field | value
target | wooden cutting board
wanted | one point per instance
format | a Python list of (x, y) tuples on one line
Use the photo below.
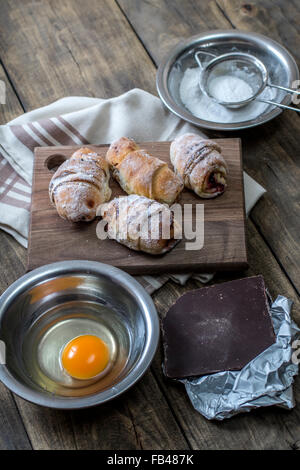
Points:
[(54, 239)]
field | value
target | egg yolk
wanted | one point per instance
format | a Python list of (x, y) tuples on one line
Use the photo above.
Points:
[(85, 357)]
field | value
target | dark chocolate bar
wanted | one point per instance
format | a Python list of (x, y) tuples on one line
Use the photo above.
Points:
[(217, 328)]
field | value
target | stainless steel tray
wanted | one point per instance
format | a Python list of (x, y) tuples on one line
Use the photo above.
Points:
[(281, 65)]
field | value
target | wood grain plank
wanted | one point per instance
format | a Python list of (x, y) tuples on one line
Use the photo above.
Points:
[(13, 435), (52, 49), (142, 416), (171, 22), (269, 151), (12, 107), (12, 259), (53, 239), (269, 428), (141, 419), (48, 429), (149, 410), (275, 18)]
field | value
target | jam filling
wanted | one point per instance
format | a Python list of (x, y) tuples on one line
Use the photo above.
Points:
[(214, 185)]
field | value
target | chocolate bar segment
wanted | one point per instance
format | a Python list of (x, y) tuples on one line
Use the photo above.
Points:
[(217, 328)]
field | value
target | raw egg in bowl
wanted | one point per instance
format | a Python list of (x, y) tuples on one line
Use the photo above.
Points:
[(76, 334)]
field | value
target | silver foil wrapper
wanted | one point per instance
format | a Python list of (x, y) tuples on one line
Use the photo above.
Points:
[(265, 381)]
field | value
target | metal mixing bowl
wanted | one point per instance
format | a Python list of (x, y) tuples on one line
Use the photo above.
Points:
[(26, 303), (279, 62)]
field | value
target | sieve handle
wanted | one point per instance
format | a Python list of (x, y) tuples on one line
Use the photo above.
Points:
[(283, 106), (289, 90), (203, 53)]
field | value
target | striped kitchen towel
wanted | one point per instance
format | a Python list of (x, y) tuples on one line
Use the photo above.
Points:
[(14, 202), (81, 121)]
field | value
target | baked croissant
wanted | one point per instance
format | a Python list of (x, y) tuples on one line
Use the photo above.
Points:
[(140, 223), (80, 185), (200, 164), (139, 173)]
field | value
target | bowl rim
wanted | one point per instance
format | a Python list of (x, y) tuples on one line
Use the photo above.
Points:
[(89, 267), (169, 59)]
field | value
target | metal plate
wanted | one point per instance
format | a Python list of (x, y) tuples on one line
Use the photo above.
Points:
[(281, 66)]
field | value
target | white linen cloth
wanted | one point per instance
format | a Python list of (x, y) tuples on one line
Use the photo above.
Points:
[(80, 121)]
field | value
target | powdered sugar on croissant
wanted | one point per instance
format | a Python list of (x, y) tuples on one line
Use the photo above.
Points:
[(80, 185), (140, 173), (200, 164), (140, 223)]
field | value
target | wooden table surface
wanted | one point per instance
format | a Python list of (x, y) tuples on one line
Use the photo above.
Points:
[(52, 48)]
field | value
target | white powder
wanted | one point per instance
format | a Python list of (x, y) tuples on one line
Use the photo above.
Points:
[(229, 88), (207, 109)]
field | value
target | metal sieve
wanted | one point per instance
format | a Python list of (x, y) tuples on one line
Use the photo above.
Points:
[(243, 66)]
